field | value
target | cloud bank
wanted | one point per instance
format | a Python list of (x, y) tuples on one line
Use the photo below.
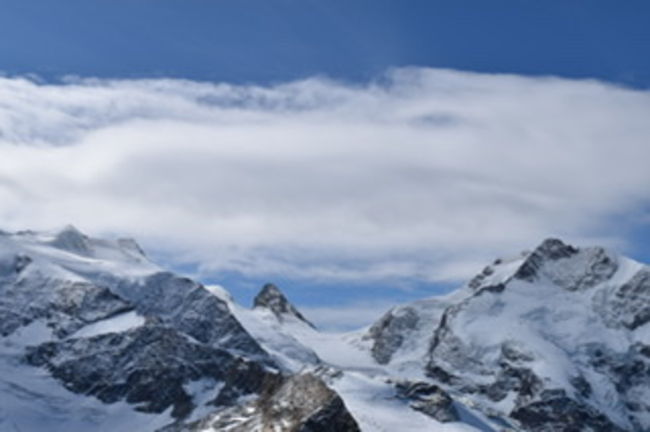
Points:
[(421, 174)]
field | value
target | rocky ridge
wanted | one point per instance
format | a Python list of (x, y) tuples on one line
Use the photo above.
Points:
[(108, 324), (553, 340)]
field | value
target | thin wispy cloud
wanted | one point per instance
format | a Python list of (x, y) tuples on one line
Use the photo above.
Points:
[(345, 317), (421, 174)]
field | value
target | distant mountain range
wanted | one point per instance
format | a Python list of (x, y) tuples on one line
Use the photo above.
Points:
[(94, 336)]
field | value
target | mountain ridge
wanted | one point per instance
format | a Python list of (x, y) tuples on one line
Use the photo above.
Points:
[(556, 339), (93, 323)]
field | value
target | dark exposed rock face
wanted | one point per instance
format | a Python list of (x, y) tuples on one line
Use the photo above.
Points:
[(332, 417), (477, 280), (68, 305), (567, 266), (65, 306), (147, 366), (550, 249), (629, 374), (300, 403), (191, 309), (270, 297), (306, 402), (402, 333), (557, 413), (428, 399), (631, 301), (390, 332), (191, 335)]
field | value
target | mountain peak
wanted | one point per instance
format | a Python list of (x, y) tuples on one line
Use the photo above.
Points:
[(567, 266), (271, 298), (551, 249), (72, 240), (554, 248)]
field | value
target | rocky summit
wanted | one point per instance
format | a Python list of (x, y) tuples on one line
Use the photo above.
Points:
[(271, 298), (94, 336)]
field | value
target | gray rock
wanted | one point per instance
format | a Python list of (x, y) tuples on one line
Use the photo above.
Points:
[(568, 267), (389, 333), (132, 365), (558, 413), (299, 403), (631, 301), (429, 399), (271, 298)]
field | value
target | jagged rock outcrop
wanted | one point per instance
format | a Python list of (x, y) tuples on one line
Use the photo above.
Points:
[(149, 366), (65, 306), (271, 298), (429, 399), (567, 266), (397, 337), (390, 332), (300, 403), (629, 304), (554, 411)]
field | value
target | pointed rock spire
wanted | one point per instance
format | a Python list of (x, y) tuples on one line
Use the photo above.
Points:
[(271, 298), (72, 240)]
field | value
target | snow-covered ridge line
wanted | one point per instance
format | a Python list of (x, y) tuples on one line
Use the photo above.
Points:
[(554, 339)]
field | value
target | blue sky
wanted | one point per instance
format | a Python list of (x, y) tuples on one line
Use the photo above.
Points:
[(280, 40), (357, 153)]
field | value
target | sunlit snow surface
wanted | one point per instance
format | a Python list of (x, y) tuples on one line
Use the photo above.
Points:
[(122, 322), (365, 386)]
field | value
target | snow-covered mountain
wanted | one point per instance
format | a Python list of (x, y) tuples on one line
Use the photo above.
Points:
[(553, 340), (94, 335)]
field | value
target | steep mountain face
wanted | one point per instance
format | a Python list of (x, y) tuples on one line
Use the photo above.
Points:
[(555, 340), (91, 328), (397, 337)]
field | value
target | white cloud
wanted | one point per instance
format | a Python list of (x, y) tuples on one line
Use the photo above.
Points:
[(424, 173), (346, 317)]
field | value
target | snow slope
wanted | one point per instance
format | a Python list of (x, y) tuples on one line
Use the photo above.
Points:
[(345, 362)]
